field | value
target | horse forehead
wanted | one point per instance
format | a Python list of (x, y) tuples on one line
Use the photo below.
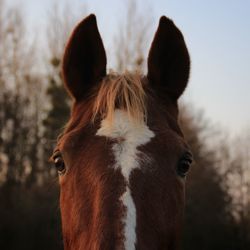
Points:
[(124, 128)]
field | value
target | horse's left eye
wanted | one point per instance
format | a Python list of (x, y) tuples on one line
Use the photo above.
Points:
[(59, 163), (184, 164)]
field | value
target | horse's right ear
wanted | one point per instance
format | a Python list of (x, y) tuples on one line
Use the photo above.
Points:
[(84, 61)]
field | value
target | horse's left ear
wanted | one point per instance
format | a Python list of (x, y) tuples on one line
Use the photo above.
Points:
[(84, 61), (168, 61)]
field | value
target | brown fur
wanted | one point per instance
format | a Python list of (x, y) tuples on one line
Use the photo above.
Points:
[(91, 188)]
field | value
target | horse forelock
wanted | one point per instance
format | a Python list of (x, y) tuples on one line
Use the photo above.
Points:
[(125, 92)]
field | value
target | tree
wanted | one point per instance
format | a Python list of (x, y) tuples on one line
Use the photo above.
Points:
[(131, 39), (208, 220), (235, 167), (17, 111)]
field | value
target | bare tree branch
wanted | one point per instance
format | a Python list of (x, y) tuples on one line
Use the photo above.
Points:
[(132, 38)]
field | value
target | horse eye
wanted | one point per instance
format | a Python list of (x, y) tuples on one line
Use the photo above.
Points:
[(59, 164), (184, 164)]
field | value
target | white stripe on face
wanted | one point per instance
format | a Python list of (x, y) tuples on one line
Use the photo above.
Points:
[(129, 135)]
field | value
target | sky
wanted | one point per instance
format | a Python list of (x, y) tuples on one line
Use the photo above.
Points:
[(217, 33)]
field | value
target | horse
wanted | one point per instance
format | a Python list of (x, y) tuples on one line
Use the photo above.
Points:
[(122, 158)]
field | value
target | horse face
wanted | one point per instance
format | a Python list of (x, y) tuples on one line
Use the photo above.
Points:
[(122, 175)]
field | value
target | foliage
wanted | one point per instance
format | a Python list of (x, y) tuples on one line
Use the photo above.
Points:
[(58, 113), (209, 223)]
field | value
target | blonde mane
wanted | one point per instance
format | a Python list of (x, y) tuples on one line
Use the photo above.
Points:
[(123, 92)]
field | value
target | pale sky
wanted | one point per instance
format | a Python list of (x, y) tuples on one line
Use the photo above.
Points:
[(217, 33)]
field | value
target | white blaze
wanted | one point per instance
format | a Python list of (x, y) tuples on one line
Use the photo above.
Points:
[(129, 135)]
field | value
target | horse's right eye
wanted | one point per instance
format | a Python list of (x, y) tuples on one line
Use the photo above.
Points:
[(59, 163)]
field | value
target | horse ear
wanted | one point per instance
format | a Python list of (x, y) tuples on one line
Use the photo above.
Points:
[(168, 61), (84, 61)]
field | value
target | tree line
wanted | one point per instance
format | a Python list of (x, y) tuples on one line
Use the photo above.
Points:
[(33, 109)]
